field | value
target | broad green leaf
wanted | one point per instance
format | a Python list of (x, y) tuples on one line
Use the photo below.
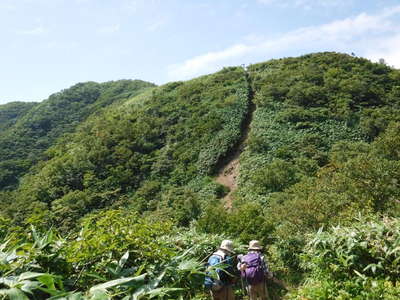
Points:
[(123, 259), (97, 276), (116, 282), (48, 281), (161, 292), (145, 289), (16, 294), (4, 245), (100, 295), (10, 281), (29, 275), (29, 286), (68, 296), (189, 265)]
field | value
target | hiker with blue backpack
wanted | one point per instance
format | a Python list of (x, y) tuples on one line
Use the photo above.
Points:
[(220, 272), (254, 271)]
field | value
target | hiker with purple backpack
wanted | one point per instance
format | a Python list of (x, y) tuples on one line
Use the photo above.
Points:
[(254, 271)]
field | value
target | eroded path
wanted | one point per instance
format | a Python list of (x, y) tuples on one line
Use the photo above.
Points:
[(228, 168)]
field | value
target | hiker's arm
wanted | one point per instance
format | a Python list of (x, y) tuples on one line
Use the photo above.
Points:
[(239, 265)]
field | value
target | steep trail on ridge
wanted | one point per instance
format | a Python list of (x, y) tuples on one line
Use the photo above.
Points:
[(228, 167)]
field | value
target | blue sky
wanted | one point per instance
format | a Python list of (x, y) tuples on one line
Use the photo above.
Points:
[(49, 45)]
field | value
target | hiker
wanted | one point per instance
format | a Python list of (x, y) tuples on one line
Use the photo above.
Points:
[(254, 271), (219, 273)]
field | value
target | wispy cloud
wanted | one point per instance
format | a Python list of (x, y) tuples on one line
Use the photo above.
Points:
[(4, 6), (387, 48), (38, 30), (366, 35), (156, 25), (109, 29), (207, 62), (306, 4), (61, 45), (133, 6)]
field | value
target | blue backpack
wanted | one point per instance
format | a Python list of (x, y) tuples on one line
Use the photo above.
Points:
[(214, 275)]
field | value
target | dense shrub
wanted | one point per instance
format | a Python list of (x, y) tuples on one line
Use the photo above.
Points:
[(356, 262)]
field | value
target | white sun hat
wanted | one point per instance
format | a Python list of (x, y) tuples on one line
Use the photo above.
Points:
[(255, 245), (227, 245)]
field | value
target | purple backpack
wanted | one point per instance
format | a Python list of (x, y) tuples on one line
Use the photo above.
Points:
[(254, 272)]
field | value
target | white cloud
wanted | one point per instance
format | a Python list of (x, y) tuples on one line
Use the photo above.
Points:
[(38, 30), (157, 25), (61, 45), (109, 29), (388, 49), (306, 4), (267, 2), (366, 35), (134, 6), (207, 62), (7, 7)]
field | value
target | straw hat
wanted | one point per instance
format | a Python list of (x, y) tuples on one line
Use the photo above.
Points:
[(255, 245), (227, 245)]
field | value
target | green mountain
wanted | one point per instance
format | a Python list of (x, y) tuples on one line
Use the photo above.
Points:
[(274, 152), (36, 129), (11, 112), (156, 149)]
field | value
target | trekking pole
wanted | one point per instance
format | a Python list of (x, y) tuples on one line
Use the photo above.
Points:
[(266, 293), (243, 288)]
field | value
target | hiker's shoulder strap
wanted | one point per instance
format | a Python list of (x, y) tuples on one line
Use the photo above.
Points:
[(220, 254), (264, 263), (215, 258)]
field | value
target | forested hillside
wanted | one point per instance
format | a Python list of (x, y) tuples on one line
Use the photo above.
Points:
[(127, 205), (153, 152), (11, 112), (36, 129)]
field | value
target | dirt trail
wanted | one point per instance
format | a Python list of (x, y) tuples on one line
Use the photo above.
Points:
[(227, 177), (228, 167)]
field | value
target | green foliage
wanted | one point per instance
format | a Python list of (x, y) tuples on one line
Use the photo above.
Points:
[(151, 144), (322, 147), (304, 106), (222, 142), (106, 236), (11, 112), (158, 262), (37, 129), (135, 180), (245, 223), (356, 262), (280, 153), (359, 177)]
